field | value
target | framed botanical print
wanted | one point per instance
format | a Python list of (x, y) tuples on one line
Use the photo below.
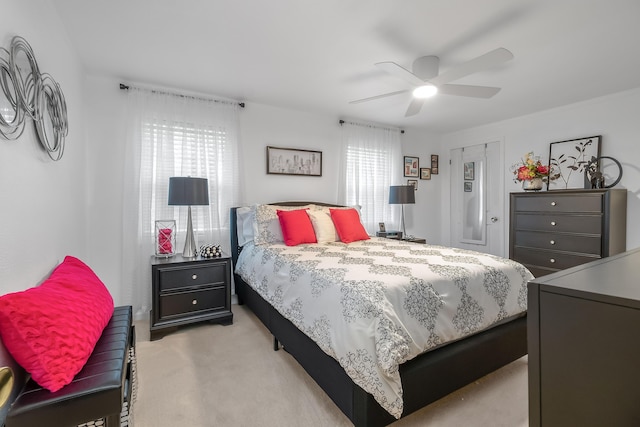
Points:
[(568, 161)]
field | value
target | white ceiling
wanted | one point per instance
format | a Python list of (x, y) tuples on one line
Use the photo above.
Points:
[(317, 55)]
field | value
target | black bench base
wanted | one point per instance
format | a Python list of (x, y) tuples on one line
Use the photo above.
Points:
[(104, 386)]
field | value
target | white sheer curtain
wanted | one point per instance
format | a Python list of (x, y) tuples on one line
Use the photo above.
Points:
[(175, 135), (372, 162)]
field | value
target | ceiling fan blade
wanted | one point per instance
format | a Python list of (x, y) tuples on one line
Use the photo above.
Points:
[(426, 67), (470, 91), (398, 71), (384, 95), (414, 107), (483, 62)]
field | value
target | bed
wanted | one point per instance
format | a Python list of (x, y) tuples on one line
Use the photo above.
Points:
[(424, 378)]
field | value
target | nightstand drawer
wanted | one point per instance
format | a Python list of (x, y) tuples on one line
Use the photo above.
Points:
[(560, 203), (560, 242), (550, 259), (179, 277), (194, 301), (586, 224)]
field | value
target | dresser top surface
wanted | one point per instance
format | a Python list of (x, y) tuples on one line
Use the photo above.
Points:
[(575, 191), (613, 277)]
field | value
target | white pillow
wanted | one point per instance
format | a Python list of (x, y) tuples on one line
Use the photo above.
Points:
[(266, 227), (323, 226), (244, 222)]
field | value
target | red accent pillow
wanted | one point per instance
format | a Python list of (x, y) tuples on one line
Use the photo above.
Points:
[(51, 329), (296, 227), (348, 225)]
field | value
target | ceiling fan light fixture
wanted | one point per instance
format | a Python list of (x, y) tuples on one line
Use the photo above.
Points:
[(425, 91)]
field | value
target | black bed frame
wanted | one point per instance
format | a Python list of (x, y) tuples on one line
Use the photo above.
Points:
[(425, 378)]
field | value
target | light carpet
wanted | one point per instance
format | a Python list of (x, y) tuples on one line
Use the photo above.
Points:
[(212, 375)]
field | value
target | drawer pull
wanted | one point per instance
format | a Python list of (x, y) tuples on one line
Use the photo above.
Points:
[(194, 302), (553, 242), (553, 203), (194, 277), (553, 223), (552, 260)]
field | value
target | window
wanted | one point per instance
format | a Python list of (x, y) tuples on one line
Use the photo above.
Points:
[(174, 135), (372, 162)]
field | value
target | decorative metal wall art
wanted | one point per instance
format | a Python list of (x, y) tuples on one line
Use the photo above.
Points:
[(25, 91)]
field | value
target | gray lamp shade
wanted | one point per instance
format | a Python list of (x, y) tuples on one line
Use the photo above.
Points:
[(188, 191), (402, 195)]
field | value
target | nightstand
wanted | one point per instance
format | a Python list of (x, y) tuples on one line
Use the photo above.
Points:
[(189, 290), (414, 240), (397, 235), (389, 234)]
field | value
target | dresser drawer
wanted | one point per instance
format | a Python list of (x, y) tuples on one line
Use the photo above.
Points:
[(173, 278), (560, 242), (182, 303), (586, 224), (560, 203), (550, 259)]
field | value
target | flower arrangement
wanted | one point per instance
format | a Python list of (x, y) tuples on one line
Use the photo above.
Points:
[(530, 168)]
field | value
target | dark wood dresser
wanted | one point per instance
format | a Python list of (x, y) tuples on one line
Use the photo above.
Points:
[(583, 325), (553, 230)]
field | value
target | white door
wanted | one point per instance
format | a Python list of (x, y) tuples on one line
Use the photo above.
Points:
[(477, 201)]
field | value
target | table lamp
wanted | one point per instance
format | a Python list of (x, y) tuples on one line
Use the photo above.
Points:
[(188, 191), (402, 195)]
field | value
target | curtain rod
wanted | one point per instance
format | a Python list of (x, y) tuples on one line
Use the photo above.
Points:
[(125, 87), (368, 126)]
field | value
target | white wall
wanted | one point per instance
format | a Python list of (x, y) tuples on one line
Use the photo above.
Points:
[(423, 219), (262, 126), (613, 116), (105, 161), (43, 202)]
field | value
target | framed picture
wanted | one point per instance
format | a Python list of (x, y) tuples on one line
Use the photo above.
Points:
[(468, 186), (382, 227), (413, 182), (411, 166), (469, 171), (434, 164), (568, 161), (292, 161), (425, 173)]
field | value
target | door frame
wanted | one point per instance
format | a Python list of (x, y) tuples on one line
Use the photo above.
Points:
[(498, 186)]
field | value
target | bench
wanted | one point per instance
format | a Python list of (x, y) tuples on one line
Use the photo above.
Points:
[(101, 394)]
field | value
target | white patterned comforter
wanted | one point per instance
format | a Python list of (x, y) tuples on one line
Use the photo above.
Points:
[(375, 304)]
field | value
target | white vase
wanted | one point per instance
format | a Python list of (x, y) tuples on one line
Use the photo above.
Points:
[(534, 184)]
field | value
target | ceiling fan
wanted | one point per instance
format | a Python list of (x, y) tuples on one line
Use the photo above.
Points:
[(427, 82)]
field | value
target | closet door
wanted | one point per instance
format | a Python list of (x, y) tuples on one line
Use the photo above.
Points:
[(477, 202)]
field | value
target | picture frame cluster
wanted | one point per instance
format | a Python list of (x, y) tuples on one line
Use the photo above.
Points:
[(412, 169)]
